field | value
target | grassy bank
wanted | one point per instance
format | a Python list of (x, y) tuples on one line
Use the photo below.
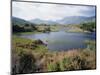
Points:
[(30, 56), (34, 32)]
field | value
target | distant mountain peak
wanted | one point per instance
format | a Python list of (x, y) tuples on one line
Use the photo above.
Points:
[(19, 21), (75, 19), (39, 21), (65, 20)]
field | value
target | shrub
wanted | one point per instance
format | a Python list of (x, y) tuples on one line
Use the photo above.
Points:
[(26, 63), (53, 67), (91, 45)]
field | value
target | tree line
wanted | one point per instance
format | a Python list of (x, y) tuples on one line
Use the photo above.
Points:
[(89, 26), (29, 28)]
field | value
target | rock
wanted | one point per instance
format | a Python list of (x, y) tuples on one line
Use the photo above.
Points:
[(38, 42)]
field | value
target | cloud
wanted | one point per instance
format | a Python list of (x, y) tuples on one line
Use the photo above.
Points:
[(27, 10), (90, 11)]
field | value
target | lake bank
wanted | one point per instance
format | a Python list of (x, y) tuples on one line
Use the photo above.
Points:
[(61, 40), (51, 28), (45, 60)]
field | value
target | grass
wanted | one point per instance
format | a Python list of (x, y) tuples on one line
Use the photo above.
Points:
[(52, 28), (81, 61), (30, 56), (20, 33), (91, 44)]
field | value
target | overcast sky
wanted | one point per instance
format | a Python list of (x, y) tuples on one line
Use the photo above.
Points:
[(28, 11)]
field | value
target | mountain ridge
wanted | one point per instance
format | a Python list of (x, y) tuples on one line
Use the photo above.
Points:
[(64, 21)]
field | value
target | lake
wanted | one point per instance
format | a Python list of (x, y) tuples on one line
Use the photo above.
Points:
[(62, 40)]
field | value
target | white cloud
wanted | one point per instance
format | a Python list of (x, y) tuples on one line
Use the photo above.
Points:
[(43, 11)]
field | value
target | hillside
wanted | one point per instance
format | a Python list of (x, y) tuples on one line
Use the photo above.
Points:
[(75, 19), (18, 21), (39, 21), (66, 20)]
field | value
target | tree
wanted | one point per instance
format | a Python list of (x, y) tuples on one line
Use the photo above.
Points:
[(89, 26)]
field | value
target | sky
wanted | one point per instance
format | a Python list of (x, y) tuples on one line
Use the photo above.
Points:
[(28, 11)]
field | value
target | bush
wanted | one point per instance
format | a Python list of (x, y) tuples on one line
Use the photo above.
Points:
[(89, 26), (24, 28), (26, 64), (53, 67)]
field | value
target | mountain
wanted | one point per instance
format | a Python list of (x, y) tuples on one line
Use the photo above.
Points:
[(39, 21), (66, 20), (18, 21), (75, 19), (93, 18)]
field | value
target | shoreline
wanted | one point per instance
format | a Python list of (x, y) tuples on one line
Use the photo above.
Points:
[(15, 33), (27, 50)]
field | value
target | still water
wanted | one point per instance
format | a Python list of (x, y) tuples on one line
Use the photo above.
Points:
[(62, 40)]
